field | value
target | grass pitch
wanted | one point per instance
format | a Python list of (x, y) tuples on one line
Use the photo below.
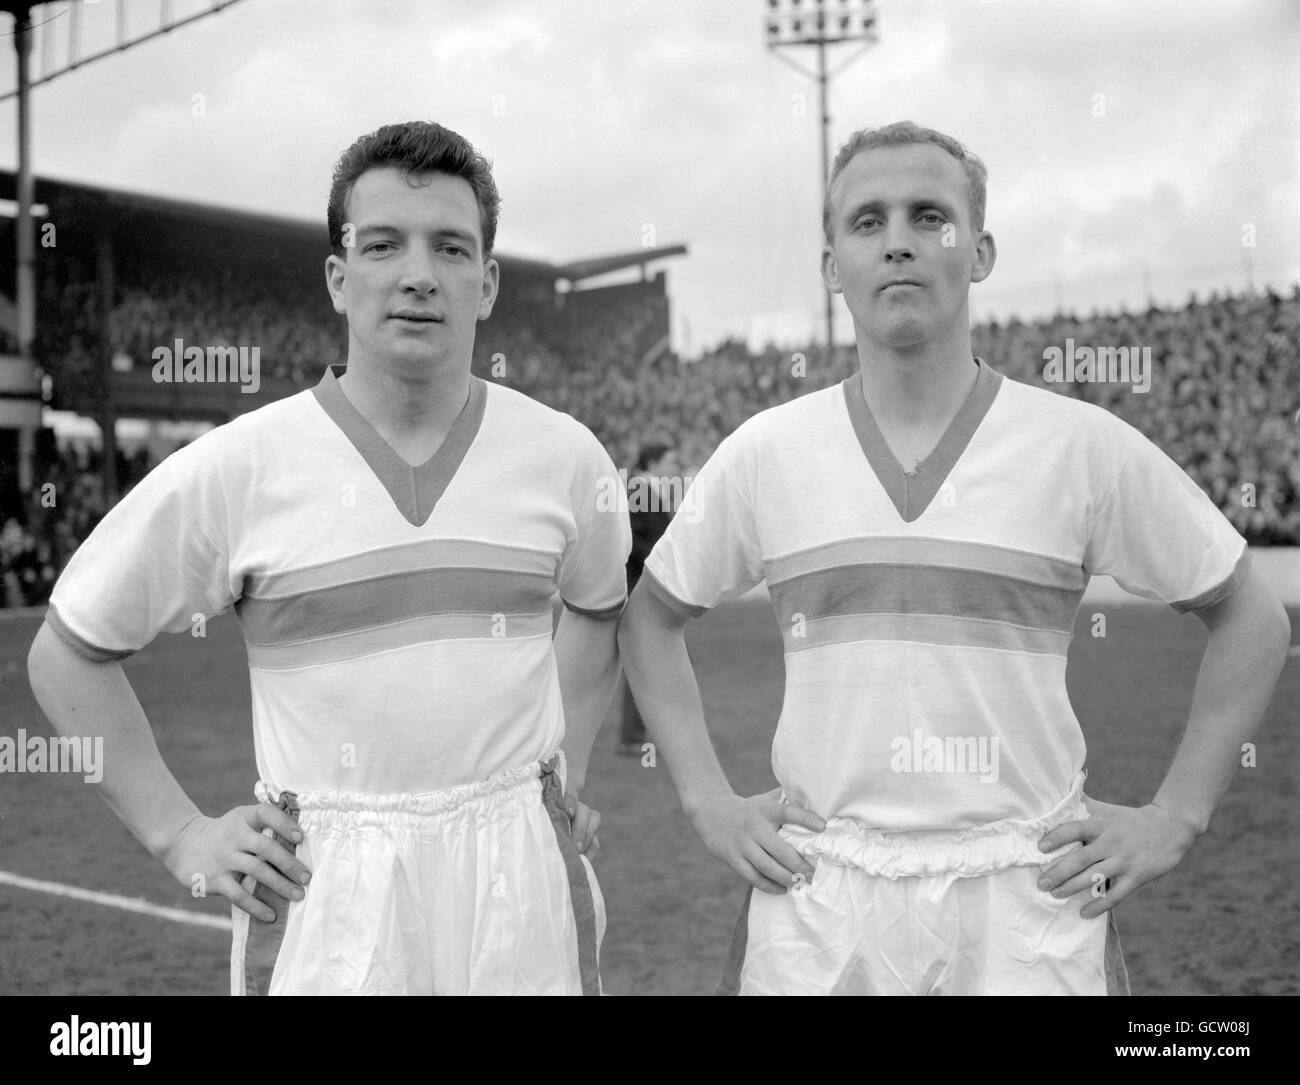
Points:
[(1227, 921)]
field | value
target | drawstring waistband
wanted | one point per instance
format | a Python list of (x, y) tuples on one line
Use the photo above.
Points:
[(418, 812), (984, 849)]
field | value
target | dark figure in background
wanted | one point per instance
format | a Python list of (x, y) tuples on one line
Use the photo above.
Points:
[(650, 509)]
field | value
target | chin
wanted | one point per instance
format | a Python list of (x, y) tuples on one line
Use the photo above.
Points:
[(905, 331)]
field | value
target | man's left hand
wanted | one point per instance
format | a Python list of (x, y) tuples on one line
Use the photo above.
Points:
[(583, 823), (1124, 847)]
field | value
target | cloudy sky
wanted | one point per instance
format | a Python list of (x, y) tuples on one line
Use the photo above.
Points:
[(1131, 146)]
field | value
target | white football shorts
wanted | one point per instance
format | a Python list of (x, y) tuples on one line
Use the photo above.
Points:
[(474, 890), (949, 913)]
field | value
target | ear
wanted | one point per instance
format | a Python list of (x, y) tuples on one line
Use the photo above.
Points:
[(335, 276), (491, 284), (986, 255), (831, 271)]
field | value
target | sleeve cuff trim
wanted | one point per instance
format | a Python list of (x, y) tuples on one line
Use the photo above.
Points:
[(677, 606), (1220, 591), (79, 644), (602, 615)]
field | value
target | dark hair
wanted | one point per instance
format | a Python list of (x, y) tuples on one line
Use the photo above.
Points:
[(900, 134), (420, 148), (651, 453)]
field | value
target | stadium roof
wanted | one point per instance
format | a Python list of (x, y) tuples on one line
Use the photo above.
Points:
[(147, 212), (603, 265)]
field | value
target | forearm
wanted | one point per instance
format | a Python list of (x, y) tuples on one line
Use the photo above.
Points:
[(95, 700), (1241, 665), (659, 671), (586, 655)]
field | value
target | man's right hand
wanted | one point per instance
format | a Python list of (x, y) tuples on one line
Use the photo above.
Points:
[(742, 832), (223, 850)]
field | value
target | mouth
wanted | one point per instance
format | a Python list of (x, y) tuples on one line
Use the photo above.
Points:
[(412, 316), (900, 282)]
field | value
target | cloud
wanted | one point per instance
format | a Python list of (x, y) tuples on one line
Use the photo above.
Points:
[(603, 117)]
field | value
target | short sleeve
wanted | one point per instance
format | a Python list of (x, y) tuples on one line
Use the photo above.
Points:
[(711, 550), (593, 569), (1161, 537), (150, 567)]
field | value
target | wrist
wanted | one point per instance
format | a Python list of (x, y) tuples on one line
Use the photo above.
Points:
[(1196, 820), (694, 801), (165, 845), (575, 772)]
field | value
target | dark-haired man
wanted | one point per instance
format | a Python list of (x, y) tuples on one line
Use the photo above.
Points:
[(927, 529), (391, 542)]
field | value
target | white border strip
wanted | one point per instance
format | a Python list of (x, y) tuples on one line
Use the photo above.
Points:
[(13, 613), (112, 900)]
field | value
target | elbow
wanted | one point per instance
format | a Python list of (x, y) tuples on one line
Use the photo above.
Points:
[(1270, 633), (39, 668), (37, 658), (1254, 619)]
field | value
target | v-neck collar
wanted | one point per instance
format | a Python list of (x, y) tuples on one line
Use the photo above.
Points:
[(912, 494), (415, 490)]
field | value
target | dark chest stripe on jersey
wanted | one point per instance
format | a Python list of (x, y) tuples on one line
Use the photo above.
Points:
[(500, 628), (921, 589), (927, 590), (486, 594)]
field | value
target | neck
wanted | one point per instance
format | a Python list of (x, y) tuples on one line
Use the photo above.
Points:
[(920, 385), (400, 403)]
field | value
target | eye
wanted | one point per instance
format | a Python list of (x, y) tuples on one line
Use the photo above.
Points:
[(374, 246), (455, 250), (933, 217)]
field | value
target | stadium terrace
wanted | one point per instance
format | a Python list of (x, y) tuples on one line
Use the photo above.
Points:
[(218, 365), (1109, 365)]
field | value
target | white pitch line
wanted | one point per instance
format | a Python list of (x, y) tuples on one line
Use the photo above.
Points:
[(112, 900)]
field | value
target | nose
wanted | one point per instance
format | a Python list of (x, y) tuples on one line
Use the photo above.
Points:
[(898, 244), (419, 273)]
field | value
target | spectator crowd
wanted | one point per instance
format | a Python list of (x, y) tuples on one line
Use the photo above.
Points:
[(59, 512), (1224, 397), (1223, 401), (296, 333)]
